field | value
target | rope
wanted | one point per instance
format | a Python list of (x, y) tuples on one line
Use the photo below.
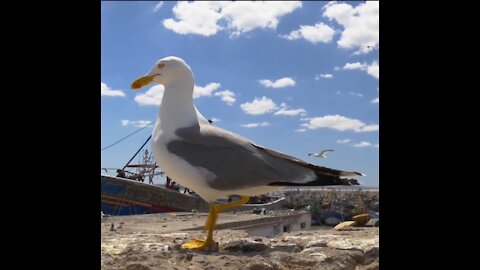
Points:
[(126, 137), (149, 137)]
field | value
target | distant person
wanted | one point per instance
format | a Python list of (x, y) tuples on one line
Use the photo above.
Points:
[(121, 173), (175, 186), (167, 185)]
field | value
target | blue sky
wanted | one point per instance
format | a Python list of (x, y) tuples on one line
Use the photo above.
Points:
[(297, 77)]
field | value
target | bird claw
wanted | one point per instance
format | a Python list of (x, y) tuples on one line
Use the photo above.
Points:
[(203, 245)]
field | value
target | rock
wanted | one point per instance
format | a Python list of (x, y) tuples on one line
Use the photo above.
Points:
[(319, 256), (317, 243), (372, 253), (165, 248), (357, 255), (372, 222), (214, 248), (189, 256), (338, 262), (287, 247), (372, 266), (294, 261), (349, 243), (313, 250), (137, 266), (259, 266), (296, 249), (245, 246)]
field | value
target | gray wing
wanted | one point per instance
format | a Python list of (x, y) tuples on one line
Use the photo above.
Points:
[(238, 163), (324, 151)]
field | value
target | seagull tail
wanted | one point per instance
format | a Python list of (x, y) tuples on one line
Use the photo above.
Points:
[(324, 180), (342, 173), (318, 176)]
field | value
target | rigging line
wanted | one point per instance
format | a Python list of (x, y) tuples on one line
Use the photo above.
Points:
[(126, 137), (149, 137)]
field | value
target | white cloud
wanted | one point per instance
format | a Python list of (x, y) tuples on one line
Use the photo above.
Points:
[(376, 145), (368, 128), (207, 90), (107, 91), (158, 6), (214, 119), (336, 68), (325, 76), (137, 123), (245, 16), (360, 24), (320, 32), (356, 94), (204, 18), (340, 123), (280, 83), (301, 130), (375, 100), (284, 111), (338, 92), (259, 106), (343, 141), (227, 96), (372, 69), (252, 125), (362, 144), (153, 96), (356, 65), (195, 18)]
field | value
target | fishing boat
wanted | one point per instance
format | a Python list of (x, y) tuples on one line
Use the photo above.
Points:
[(362, 216), (122, 196), (361, 219), (133, 191), (332, 218), (334, 215)]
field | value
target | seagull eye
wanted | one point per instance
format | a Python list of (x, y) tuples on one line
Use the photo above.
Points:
[(161, 65)]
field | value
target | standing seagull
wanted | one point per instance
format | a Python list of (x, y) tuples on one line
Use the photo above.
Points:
[(322, 154), (213, 162)]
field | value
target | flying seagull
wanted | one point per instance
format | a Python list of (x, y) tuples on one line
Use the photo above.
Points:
[(322, 154), (214, 162)]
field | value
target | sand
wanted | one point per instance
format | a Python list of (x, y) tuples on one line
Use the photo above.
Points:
[(148, 242)]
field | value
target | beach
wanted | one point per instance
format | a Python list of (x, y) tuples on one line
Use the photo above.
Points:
[(148, 242)]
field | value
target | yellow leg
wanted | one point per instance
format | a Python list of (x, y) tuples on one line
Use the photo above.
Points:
[(210, 224)]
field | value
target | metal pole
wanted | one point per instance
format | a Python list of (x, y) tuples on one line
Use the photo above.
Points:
[(137, 152)]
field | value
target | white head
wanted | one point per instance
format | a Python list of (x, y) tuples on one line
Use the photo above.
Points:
[(165, 71)]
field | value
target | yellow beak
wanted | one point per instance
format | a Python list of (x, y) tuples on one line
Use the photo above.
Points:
[(141, 82)]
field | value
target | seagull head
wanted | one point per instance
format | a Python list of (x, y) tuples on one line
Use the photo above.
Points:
[(165, 71)]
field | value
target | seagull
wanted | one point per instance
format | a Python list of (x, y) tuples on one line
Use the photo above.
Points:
[(214, 162), (322, 154)]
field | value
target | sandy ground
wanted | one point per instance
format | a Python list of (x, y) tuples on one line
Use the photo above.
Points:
[(146, 242)]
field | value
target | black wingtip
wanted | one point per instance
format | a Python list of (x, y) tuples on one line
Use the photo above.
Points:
[(352, 182), (322, 180)]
